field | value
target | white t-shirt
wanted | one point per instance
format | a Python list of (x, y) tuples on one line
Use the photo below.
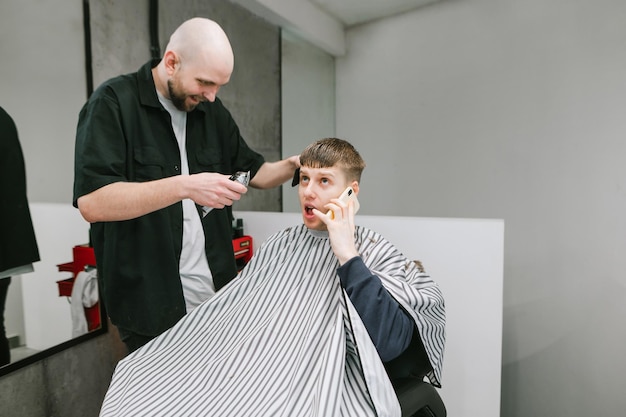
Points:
[(195, 274)]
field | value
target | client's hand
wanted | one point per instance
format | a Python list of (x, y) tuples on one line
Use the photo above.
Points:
[(340, 229)]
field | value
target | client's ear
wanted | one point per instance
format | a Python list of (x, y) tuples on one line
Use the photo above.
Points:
[(355, 186)]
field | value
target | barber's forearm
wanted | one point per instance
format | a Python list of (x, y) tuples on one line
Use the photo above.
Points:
[(273, 174), (125, 200)]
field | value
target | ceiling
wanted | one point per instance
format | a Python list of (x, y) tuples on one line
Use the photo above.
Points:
[(324, 22), (353, 12)]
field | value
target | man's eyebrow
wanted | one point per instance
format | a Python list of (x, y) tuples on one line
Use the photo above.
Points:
[(323, 172), (327, 173)]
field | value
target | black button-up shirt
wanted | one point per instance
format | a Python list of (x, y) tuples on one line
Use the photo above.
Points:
[(124, 134)]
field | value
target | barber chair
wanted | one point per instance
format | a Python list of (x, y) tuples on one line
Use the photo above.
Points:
[(418, 398)]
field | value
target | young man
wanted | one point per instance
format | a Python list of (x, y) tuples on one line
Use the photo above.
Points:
[(153, 147), (317, 324)]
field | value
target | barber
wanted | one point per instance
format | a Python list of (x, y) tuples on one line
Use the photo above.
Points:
[(153, 147)]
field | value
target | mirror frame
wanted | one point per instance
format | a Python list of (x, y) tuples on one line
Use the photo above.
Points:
[(46, 353), (104, 328)]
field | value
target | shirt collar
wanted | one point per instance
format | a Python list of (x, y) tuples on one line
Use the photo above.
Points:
[(319, 234), (147, 90)]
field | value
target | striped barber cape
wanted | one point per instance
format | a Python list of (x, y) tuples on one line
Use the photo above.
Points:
[(282, 339)]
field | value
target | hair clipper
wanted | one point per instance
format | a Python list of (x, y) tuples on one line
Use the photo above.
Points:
[(242, 177)]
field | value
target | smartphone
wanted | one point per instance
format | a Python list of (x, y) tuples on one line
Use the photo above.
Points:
[(347, 195)]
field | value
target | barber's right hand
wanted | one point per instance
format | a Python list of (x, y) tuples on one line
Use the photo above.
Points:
[(214, 190)]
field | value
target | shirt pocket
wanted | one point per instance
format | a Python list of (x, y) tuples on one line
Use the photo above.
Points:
[(149, 164), (210, 160)]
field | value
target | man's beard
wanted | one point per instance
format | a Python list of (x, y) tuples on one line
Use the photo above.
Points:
[(178, 99)]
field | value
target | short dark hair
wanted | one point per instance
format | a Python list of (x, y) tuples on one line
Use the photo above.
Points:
[(328, 152)]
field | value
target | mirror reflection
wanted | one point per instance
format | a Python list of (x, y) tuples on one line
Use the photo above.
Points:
[(18, 245), (49, 305), (56, 301), (43, 105), (52, 300)]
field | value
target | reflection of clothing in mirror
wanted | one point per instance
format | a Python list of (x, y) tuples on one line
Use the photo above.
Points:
[(5, 349), (18, 246), (283, 339), (84, 295), (125, 135)]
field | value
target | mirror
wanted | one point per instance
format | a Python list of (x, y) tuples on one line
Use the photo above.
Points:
[(44, 85)]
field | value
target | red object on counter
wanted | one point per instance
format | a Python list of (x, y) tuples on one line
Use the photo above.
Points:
[(243, 250)]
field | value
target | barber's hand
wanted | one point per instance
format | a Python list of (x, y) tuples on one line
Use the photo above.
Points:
[(295, 161), (215, 190), (340, 229)]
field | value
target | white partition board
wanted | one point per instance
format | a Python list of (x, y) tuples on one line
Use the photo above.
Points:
[(465, 257)]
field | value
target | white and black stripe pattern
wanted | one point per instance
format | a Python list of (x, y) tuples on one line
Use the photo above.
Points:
[(413, 289), (277, 341)]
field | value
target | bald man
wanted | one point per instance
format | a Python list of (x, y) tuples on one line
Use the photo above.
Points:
[(152, 148)]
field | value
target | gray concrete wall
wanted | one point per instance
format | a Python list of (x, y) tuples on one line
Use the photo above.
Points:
[(308, 96), (74, 381)]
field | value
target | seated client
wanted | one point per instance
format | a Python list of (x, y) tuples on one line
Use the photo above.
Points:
[(319, 323)]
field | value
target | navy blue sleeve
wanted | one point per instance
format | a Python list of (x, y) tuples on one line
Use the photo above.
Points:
[(388, 325)]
